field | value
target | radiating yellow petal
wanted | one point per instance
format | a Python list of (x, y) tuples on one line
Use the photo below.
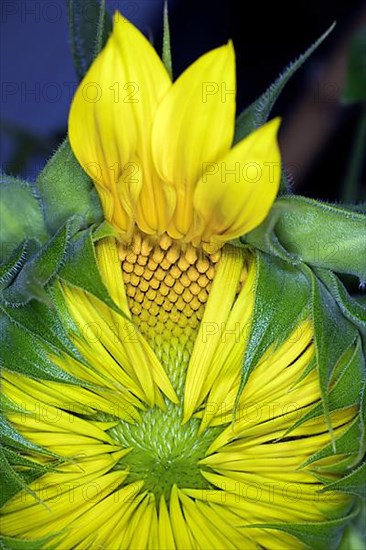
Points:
[(206, 534), (110, 268), (126, 500), (110, 123), (236, 192), (166, 537), (210, 334), (137, 532), (127, 349), (228, 359), (182, 534), (102, 517), (64, 507), (194, 125)]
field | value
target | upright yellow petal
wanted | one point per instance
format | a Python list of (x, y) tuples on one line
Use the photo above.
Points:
[(194, 125), (236, 193), (110, 122)]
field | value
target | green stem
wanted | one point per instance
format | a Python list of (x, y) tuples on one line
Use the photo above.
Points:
[(167, 53), (100, 28), (353, 176)]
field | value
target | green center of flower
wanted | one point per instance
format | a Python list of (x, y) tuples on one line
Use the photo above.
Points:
[(167, 286), (164, 452)]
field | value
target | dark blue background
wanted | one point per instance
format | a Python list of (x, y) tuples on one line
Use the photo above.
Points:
[(38, 77)]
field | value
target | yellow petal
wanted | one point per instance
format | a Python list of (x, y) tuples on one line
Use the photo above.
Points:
[(208, 340), (166, 537), (194, 125), (236, 193), (182, 534), (111, 118), (206, 534)]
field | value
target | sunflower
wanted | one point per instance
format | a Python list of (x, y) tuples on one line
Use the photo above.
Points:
[(158, 445)]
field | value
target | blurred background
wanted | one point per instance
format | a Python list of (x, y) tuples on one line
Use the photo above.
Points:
[(323, 135)]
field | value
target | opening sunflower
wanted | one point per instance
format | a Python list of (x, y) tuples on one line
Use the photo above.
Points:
[(158, 445)]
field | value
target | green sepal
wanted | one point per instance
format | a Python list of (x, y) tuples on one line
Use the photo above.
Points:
[(25, 353), (40, 320), (355, 86), (295, 231), (19, 460), (67, 191), (39, 271), (360, 299), (7, 543), (355, 534), (167, 50), (354, 483), (348, 379), (11, 438), (20, 213), (12, 443), (315, 535), (58, 299), (258, 112), (282, 299), (14, 481), (348, 444), (307, 370), (13, 264), (363, 416), (8, 406), (81, 269), (353, 310), (11, 482), (89, 26), (104, 230), (333, 336)]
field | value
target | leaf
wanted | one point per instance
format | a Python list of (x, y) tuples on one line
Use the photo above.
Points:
[(258, 112), (81, 269), (167, 52), (20, 213), (355, 85), (67, 191), (282, 300), (295, 231), (90, 26), (37, 272)]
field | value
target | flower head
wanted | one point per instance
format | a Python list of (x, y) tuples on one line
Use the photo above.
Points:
[(148, 443), (160, 152)]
